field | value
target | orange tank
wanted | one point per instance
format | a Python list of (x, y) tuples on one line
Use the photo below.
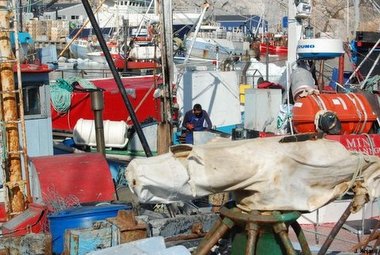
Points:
[(353, 110)]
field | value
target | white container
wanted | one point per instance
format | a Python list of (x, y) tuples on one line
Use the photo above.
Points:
[(144, 53), (115, 133), (261, 109)]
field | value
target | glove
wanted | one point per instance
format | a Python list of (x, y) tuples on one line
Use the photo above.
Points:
[(189, 126)]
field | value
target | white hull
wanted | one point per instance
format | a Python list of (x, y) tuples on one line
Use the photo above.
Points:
[(207, 48), (97, 57)]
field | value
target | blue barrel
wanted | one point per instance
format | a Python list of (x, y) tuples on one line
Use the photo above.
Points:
[(79, 217)]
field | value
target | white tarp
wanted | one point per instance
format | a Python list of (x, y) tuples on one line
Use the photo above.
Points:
[(265, 174)]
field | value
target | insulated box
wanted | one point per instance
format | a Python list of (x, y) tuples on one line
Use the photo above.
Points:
[(79, 217), (353, 110), (261, 109)]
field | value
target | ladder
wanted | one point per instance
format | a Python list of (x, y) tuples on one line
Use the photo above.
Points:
[(12, 123)]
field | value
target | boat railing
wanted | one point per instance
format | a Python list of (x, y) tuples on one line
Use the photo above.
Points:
[(88, 73), (231, 36), (186, 10)]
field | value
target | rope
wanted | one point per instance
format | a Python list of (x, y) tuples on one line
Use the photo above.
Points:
[(62, 90), (61, 95), (363, 111), (357, 174)]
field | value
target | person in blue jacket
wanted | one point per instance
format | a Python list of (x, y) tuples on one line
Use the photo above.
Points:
[(196, 119)]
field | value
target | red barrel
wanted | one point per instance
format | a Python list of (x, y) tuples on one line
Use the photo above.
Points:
[(353, 110)]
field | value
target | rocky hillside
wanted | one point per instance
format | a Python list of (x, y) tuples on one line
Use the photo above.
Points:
[(329, 16)]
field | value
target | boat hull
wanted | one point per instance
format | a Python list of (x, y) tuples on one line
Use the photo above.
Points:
[(141, 87)]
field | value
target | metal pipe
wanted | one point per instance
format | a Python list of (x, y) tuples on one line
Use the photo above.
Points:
[(218, 230), (370, 71), (335, 230), (205, 7), (360, 65), (301, 238), (117, 78), (142, 20), (97, 104), (11, 164), (252, 233), (21, 105), (341, 70), (267, 60), (281, 230), (244, 72)]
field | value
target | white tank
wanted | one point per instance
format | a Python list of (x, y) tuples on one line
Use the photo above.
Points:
[(115, 133)]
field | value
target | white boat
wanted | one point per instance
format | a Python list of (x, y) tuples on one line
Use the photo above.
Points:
[(214, 42), (81, 47)]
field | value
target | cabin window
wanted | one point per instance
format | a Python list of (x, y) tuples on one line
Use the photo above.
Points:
[(34, 101), (75, 17)]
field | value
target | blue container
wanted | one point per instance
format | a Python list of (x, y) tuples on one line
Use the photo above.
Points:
[(79, 217), (334, 78)]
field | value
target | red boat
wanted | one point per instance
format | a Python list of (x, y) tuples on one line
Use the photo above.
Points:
[(273, 49), (140, 91), (277, 45)]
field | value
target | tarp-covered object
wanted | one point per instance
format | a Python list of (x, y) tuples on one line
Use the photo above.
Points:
[(263, 173)]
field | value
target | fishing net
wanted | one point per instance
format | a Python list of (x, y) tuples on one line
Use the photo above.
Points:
[(55, 202)]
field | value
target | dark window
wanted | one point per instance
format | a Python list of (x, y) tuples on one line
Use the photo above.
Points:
[(32, 100)]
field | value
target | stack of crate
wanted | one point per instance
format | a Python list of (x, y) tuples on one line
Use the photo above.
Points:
[(48, 24), (31, 27), (37, 29), (48, 30), (59, 30), (41, 31)]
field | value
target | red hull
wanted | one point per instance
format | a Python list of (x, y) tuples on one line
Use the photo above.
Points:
[(121, 64), (273, 50), (114, 107)]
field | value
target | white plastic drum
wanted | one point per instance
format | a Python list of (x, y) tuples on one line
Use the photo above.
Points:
[(115, 133)]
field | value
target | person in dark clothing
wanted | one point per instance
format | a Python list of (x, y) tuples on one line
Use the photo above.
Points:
[(196, 119)]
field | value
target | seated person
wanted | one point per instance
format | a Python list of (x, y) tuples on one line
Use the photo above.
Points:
[(196, 119)]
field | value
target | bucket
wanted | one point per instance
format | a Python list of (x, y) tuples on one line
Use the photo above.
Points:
[(79, 217)]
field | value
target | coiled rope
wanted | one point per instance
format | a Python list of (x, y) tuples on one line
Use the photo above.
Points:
[(61, 92)]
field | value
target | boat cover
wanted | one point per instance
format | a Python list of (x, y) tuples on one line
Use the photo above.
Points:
[(264, 173)]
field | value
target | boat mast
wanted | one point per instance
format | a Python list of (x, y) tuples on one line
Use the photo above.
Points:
[(294, 31), (165, 127)]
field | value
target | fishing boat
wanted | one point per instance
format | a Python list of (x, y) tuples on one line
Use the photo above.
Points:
[(213, 41), (140, 90), (274, 44), (141, 54)]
